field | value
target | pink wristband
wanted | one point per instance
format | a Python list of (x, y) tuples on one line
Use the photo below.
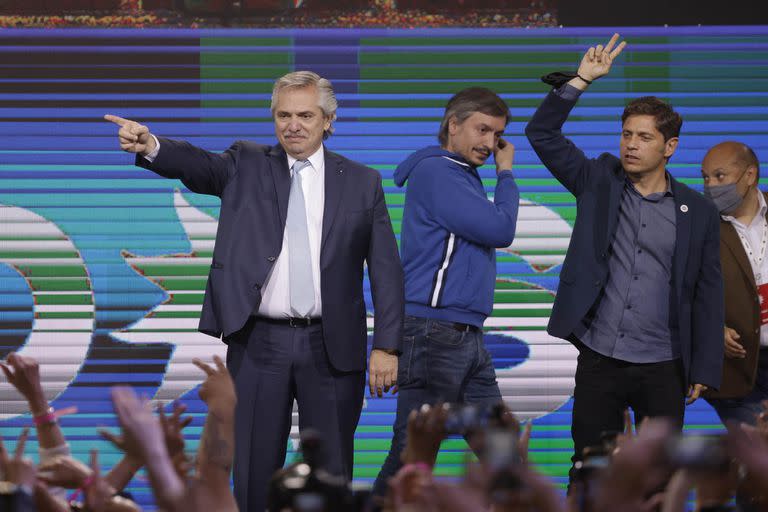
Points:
[(53, 416), (42, 419), (86, 483)]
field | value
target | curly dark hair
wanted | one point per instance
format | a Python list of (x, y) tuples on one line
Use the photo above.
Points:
[(668, 122)]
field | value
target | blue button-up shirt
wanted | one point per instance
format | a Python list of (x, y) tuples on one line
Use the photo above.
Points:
[(631, 319)]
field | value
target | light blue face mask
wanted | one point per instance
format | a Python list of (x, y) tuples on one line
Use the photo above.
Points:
[(726, 197)]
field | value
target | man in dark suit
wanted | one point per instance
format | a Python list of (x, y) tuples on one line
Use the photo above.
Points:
[(285, 290), (640, 291), (731, 172)]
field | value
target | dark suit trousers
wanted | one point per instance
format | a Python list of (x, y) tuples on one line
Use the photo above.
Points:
[(605, 387), (272, 365)]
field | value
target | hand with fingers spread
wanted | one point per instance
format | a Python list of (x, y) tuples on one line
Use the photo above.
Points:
[(142, 434), (133, 137), (218, 390), (733, 348), (382, 373), (143, 439), (173, 426), (426, 430), (598, 59), (23, 373), (18, 470), (64, 471)]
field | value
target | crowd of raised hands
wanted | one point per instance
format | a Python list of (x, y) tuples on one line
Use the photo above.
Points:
[(653, 469), (149, 439)]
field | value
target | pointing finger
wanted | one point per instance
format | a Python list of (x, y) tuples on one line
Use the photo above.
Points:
[(119, 121)]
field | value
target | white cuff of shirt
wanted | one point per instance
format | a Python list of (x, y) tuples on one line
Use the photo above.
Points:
[(150, 157)]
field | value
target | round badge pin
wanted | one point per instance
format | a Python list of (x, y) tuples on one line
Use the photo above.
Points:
[(684, 208)]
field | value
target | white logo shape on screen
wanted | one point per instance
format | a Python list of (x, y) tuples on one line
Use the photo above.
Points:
[(545, 380), (175, 319), (539, 385), (63, 309)]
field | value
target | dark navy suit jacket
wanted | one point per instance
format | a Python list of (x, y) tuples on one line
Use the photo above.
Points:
[(697, 292), (253, 182)]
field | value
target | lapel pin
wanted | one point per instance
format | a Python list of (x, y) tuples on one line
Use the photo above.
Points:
[(684, 208)]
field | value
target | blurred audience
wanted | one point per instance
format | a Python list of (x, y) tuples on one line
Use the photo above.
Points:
[(653, 469), (377, 14)]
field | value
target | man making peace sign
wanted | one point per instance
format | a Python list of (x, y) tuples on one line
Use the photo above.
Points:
[(640, 294)]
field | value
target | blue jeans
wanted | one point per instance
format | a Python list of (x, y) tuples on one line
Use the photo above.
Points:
[(746, 409), (438, 363)]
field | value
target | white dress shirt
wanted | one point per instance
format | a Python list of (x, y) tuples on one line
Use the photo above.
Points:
[(753, 236), (275, 293)]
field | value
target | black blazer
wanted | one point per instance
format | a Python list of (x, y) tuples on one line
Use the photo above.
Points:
[(597, 184), (253, 182)]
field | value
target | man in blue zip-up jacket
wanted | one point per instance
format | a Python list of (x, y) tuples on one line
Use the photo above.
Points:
[(449, 237)]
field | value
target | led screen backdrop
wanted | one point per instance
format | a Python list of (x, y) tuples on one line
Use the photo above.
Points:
[(104, 265)]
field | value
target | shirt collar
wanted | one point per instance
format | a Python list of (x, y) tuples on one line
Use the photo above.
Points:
[(656, 196), (316, 159)]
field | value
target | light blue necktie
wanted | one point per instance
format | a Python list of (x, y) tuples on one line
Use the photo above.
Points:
[(302, 289)]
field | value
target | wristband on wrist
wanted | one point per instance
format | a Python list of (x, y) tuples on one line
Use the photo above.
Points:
[(588, 82), (51, 416), (86, 483), (47, 417)]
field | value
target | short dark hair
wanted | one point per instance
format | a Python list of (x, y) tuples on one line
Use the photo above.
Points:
[(468, 101), (668, 122)]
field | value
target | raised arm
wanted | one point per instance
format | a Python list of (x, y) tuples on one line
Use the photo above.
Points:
[(201, 171), (217, 442), (563, 159), (463, 211)]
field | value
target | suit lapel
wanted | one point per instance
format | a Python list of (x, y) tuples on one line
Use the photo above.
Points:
[(683, 216), (334, 188), (281, 176), (614, 199), (730, 238)]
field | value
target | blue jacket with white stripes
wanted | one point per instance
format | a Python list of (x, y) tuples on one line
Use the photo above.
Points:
[(449, 235)]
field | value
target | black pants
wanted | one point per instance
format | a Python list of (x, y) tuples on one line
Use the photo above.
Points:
[(605, 387)]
